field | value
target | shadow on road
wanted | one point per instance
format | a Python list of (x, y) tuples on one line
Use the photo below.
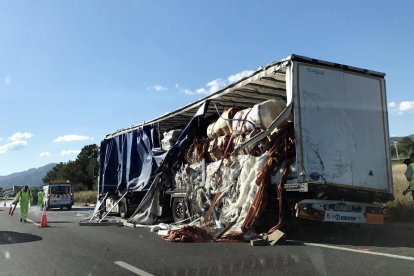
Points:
[(83, 209), (388, 235), (74, 209), (10, 237)]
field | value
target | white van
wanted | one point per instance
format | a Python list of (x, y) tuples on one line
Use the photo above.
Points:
[(58, 195)]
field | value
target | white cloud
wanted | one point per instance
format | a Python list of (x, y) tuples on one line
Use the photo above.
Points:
[(201, 91), (392, 105), (158, 88), (7, 80), (401, 108), (239, 76), (71, 138), (69, 152), (12, 146), (188, 92), (217, 84), (18, 141), (406, 106), (45, 154), (20, 136)]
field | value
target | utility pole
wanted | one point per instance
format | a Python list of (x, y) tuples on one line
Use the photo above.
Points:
[(396, 148)]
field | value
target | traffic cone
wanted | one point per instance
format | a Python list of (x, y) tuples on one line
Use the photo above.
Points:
[(43, 221), (10, 209)]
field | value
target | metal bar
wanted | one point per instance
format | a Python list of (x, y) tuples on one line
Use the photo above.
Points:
[(271, 79), (260, 96), (225, 230), (113, 206), (98, 207), (274, 91)]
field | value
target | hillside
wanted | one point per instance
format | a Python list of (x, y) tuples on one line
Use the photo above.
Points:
[(399, 138), (31, 177)]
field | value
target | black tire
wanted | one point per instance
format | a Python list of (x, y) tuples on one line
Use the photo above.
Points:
[(179, 209), (123, 208), (61, 208), (70, 207)]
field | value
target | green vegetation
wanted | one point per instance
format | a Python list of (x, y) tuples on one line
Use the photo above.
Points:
[(402, 207), (405, 148), (85, 196), (81, 172)]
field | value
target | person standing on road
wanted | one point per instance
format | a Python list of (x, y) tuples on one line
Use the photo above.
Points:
[(40, 199), (24, 197), (409, 173)]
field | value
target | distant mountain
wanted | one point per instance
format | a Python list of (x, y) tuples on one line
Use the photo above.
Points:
[(399, 138), (31, 177)]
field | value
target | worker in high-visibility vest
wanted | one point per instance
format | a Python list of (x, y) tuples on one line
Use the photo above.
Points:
[(409, 173), (40, 199), (24, 197)]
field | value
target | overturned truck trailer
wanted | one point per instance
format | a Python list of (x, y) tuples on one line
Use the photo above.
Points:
[(298, 138)]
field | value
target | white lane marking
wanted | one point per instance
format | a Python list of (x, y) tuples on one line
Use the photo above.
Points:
[(355, 250), (29, 220), (134, 269)]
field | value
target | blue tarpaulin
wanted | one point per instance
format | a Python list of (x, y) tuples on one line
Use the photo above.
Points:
[(127, 161), (130, 160)]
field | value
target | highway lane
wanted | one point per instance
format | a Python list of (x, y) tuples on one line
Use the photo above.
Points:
[(65, 248)]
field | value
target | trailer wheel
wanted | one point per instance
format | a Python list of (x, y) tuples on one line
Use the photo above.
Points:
[(179, 209), (123, 209)]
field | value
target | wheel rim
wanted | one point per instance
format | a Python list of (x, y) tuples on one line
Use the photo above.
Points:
[(179, 210)]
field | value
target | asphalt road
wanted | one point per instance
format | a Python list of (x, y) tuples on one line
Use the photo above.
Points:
[(65, 248)]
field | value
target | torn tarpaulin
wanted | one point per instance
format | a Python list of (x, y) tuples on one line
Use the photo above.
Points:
[(147, 211), (127, 161)]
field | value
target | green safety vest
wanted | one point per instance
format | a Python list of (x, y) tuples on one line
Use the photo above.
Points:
[(23, 197), (412, 177)]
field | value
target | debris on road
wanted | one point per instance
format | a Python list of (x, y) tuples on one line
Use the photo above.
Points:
[(189, 234), (275, 237), (258, 242)]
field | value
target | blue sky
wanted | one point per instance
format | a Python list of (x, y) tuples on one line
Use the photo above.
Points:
[(73, 71)]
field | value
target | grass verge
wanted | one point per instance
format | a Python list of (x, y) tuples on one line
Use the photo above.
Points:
[(402, 207), (85, 196)]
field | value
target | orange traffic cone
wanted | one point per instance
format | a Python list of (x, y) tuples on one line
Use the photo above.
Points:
[(10, 209), (43, 221)]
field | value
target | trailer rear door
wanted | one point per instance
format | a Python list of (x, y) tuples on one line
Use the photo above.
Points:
[(341, 127)]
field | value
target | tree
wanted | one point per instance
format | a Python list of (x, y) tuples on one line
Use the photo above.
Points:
[(81, 172), (406, 146)]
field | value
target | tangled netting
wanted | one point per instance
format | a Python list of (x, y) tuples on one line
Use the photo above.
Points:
[(231, 199)]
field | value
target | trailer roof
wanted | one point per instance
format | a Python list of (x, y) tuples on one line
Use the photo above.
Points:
[(265, 83)]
